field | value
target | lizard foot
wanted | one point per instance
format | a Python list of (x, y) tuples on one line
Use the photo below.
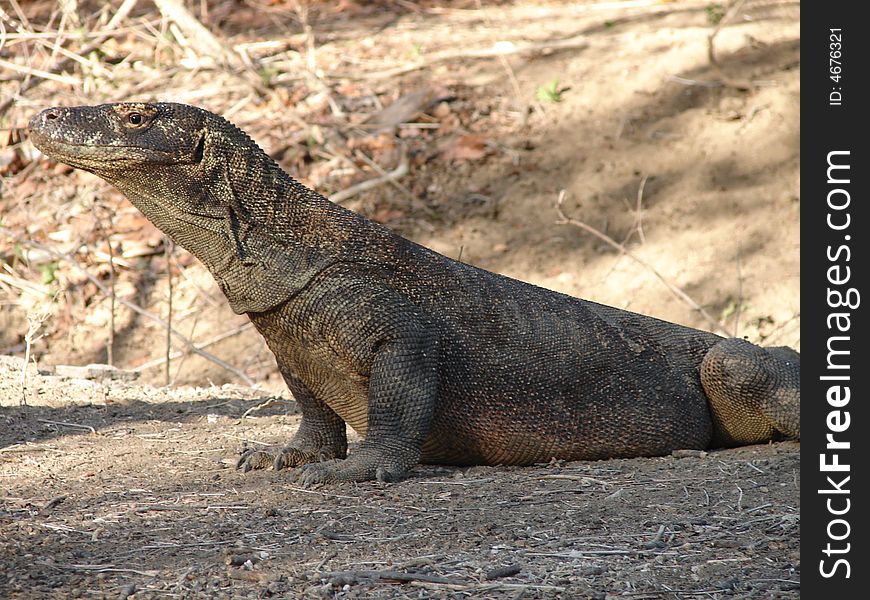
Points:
[(363, 465), (255, 459), (278, 458)]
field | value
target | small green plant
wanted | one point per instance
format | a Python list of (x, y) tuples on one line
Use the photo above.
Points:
[(48, 270), (416, 50), (17, 253), (266, 74), (732, 307), (98, 55), (550, 92), (715, 13)]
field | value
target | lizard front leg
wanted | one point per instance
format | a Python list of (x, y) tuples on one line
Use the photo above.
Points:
[(321, 435), (403, 388)]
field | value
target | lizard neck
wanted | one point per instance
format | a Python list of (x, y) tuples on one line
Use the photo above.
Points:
[(262, 235)]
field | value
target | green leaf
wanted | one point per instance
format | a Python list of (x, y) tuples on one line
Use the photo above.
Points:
[(550, 92), (267, 73), (715, 12)]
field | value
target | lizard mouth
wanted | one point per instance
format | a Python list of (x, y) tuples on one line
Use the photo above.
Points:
[(96, 156), (52, 146)]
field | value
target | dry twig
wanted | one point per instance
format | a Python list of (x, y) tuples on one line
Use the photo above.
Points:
[(512, 76), (639, 216), (732, 10), (207, 45), (210, 342), (496, 50), (168, 247), (392, 576), (131, 305), (680, 294), (110, 346), (31, 78), (263, 405), (35, 321), (65, 424), (369, 184), (107, 234), (314, 74), (202, 38)]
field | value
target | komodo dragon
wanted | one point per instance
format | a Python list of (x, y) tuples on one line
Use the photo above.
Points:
[(430, 359)]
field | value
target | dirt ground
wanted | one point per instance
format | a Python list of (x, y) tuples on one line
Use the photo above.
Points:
[(108, 486), (111, 487)]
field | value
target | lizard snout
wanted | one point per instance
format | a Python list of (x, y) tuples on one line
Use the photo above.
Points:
[(42, 118)]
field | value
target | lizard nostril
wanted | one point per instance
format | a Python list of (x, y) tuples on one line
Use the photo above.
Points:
[(51, 116)]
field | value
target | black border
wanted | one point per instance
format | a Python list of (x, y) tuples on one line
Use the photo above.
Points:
[(826, 128)]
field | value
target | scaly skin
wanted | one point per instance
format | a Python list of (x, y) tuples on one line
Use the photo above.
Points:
[(430, 359)]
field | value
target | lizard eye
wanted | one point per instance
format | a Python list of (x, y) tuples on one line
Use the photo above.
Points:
[(134, 118)]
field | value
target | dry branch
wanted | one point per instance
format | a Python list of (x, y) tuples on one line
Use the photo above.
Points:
[(499, 49), (538, 11), (65, 424), (394, 181), (639, 210), (22, 284), (519, 589), (262, 405), (391, 576), (39, 73), (364, 186), (680, 294), (207, 45), (35, 321), (107, 234), (314, 74), (168, 247), (210, 342), (204, 40), (509, 71), (732, 10)]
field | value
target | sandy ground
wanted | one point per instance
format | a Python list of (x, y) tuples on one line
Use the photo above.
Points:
[(109, 489)]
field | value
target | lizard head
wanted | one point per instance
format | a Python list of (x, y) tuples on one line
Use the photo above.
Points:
[(203, 182), (114, 138)]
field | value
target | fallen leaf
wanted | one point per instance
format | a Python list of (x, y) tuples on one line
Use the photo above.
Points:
[(401, 111), (465, 147), (387, 214)]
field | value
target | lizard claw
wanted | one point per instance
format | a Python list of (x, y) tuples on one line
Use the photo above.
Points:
[(357, 467), (254, 459), (277, 458), (289, 457), (315, 474), (384, 475)]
